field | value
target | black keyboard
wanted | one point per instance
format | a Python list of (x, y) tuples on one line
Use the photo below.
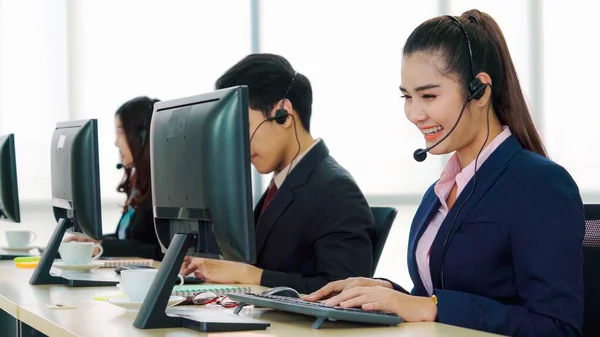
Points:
[(319, 310)]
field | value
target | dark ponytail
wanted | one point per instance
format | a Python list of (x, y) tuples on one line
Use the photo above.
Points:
[(443, 37)]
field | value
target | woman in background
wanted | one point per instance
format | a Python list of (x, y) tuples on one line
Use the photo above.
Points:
[(135, 235)]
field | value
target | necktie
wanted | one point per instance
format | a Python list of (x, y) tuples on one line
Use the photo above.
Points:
[(270, 194)]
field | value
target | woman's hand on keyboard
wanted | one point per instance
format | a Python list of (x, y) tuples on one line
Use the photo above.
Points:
[(334, 288), (410, 308)]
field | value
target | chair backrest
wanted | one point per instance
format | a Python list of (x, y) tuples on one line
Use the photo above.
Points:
[(384, 218), (591, 271)]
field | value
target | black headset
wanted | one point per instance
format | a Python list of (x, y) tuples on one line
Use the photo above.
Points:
[(476, 88), (282, 114), (143, 132), (280, 117), (147, 119), (476, 91)]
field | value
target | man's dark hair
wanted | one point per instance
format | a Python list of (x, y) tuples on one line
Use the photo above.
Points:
[(268, 76)]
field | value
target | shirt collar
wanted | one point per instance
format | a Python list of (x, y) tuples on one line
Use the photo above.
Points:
[(453, 174), (279, 177)]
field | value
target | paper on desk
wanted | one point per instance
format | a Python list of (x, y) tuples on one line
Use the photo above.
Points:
[(54, 306), (105, 297), (238, 334)]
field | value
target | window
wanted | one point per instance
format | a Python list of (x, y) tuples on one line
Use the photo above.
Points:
[(166, 50), (513, 17), (351, 52), (33, 86), (570, 86)]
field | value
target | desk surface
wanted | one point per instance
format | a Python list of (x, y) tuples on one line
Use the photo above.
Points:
[(93, 318), (15, 289), (108, 320)]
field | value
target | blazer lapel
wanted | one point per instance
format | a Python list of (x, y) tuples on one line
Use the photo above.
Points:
[(486, 176), (258, 208), (266, 221), (425, 213)]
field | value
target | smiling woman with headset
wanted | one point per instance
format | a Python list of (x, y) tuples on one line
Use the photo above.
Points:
[(495, 244), (135, 235)]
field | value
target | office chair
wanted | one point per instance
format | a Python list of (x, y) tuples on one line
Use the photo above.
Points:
[(384, 217), (591, 271)]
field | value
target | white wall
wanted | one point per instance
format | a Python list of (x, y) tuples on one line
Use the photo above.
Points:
[(351, 51)]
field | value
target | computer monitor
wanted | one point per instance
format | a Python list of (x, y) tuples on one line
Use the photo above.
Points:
[(75, 194), (201, 195), (9, 191)]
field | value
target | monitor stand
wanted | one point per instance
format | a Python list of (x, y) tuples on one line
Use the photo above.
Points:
[(41, 274), (152, 313)]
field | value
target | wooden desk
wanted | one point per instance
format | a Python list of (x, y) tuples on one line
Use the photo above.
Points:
[(15, 289), (94, 319), (109, 320)]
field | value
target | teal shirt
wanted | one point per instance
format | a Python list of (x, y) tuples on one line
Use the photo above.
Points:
[(125, 220)]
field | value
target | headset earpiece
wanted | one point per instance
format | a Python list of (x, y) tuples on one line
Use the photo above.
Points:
[(145, 126), (476, 89), (280, 116), (143, 136)]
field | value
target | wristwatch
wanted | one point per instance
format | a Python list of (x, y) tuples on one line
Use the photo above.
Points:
[(435, 300)]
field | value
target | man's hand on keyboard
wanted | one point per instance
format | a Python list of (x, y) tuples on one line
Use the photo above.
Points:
[(221, 271), (334, 288), (82, 238)]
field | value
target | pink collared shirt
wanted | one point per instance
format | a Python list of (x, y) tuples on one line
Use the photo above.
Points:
[(451, 175)]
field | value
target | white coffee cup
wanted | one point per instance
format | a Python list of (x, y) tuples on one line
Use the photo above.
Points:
[(136, 283), (78, 253), (19, 238)]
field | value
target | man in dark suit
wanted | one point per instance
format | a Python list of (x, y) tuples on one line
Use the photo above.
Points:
[(313, 224)]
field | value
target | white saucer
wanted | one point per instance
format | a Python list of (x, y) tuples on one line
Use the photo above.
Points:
[(79, 267), (125, 303), (18, 249)]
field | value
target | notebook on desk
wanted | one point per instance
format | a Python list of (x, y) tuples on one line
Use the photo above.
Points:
[(126, 262), (192, 290)]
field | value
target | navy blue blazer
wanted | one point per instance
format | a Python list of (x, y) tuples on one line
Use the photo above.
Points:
[(513, 263)]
